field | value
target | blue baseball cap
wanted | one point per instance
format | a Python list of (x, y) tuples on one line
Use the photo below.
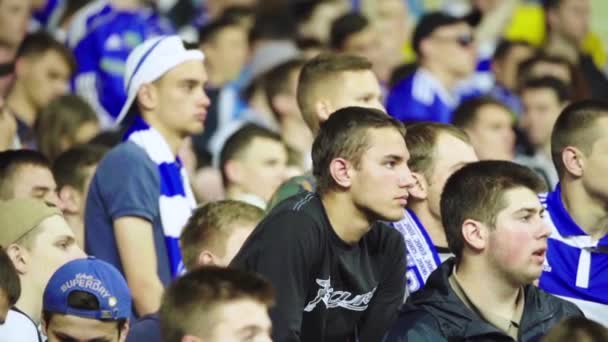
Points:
[(96, 277)]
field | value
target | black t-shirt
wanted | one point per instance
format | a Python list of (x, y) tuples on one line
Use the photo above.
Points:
[(327, 290)]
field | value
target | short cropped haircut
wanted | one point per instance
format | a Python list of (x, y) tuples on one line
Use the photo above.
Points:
[(36, 44), (576, 126), (11, 161), (344, 27), (189, 303), (61, 119), (345, 135), (465, 115), (276, 81), (421, 141), (477, 192), (238, 143), (318, 71), (69, 167), (561, 90), (10, 285), (211, 225)]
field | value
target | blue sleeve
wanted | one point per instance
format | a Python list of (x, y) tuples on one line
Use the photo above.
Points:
[(129, 183), (401, 105)]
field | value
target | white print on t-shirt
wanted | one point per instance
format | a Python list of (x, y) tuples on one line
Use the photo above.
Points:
[(334, 299)]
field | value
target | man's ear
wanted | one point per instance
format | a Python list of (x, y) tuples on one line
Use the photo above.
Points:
[(190, 338), (147, 96), (70, 199), (341, 171), (124, 332), (234, 171), (22, 64), (324, 109), (19, 256), (280, 103), (206, 258), (573, 161), (420, 188), (475, 235)]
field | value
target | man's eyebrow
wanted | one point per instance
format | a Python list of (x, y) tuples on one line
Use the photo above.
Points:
[(394, 157), (530, 210)]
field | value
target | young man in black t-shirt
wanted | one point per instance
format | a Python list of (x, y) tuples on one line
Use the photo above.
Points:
[(337, 271)]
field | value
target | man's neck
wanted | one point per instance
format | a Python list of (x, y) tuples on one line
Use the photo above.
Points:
[(126, 4), (172, 138), (431, 223), (21, 107), (30, 301), (236, 193), (484, 287), (296, 134), (590, 213), (443, 76), (347, 221)]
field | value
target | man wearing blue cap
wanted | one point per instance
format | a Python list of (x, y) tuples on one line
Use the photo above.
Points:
[(140, 195), (86, 300)]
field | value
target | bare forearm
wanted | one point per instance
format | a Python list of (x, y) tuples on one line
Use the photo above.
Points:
[(147, 296)]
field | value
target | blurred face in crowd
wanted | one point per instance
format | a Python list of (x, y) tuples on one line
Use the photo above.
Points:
[(450, 155), (452, 47), (35, 181), (261, 168), (52, 247), (44, 77), (571, 19), (14, 18), (8, 127), (240, 320), (541, 109), (63, 328), (319, 24), (558, 70), (505, 70), (595, 164), (517, 243), (363, 43), (178, 100), (380, 183), (492, 134), (226, 53), (355, 88)]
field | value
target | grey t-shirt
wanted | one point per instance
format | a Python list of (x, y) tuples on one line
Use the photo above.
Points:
[(126, 183)]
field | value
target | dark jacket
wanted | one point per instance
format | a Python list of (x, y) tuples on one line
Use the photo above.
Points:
[(435, 313)]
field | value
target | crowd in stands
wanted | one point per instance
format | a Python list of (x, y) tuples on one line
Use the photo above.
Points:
[(303, 170)]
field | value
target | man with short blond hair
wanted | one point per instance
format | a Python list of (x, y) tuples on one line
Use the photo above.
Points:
[(38, 240)]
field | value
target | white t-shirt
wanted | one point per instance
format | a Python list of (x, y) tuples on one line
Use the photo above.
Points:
[(18, 327)]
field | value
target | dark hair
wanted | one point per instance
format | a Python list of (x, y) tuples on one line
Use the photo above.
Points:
[(11, 161), (318, 71), (36, 44), (345, 135), (428, 24), (272, 26), (505, 46), (83, 300), (577, 126), (551, 4), (578, 85), (558, 87), (344, 27), (276, 81), (477, 191), (465, 115), (577, 329), (188, 303), (68, 168), (210, 30), (61, 119), (238, 142), (421, 141), (304, 10), (10, 285)]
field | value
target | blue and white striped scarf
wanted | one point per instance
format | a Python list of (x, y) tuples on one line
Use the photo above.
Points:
[(176, 200)]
